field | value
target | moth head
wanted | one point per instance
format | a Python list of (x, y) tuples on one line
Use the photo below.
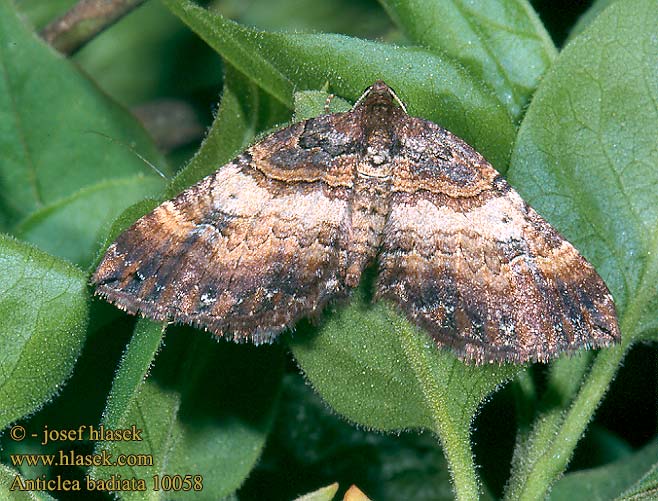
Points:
[(379, 95)]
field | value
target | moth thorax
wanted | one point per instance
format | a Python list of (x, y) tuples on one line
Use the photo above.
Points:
[(376, 163), (376, 160)]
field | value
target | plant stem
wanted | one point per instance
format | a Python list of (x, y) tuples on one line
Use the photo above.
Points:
[(454, 436), (84, 21), (135, 365), (460, 462), (557, 455)]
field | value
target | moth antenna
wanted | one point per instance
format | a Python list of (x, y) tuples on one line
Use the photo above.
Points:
[(132, 150), (398, 100), (361, 98), (327, 103)]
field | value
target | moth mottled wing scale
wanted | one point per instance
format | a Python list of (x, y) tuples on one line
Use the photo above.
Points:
[(293, 221), (243, 253), (468, 260)]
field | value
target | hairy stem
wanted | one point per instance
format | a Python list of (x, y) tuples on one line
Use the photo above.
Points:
[(454, 436)]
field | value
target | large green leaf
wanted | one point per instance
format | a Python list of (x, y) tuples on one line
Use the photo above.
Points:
[(590, 14), (586, 158), (310, 445), (586, 154), (644, 489), (349, 17), (376, 369), (73, 226), (589, 138), (244, 110), (61, 163), (9, 482), (609, 481), (205, 410), (434, 87), (43, 319), (502, 43)]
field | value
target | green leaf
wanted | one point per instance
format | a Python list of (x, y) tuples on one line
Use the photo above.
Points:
[(502, 43), (43, 319), (45, 165), (244, 109), (9, 478), (434, 87), (589, 15), (360, 18), (609, 481), (587, 163), (73, 226), (376, 369), (644, 489), (205, 410), (310, 445)]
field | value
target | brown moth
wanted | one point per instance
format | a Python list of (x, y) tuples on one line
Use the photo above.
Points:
[(292, 222)]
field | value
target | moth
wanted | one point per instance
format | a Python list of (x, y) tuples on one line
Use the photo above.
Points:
[(293, 221)]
